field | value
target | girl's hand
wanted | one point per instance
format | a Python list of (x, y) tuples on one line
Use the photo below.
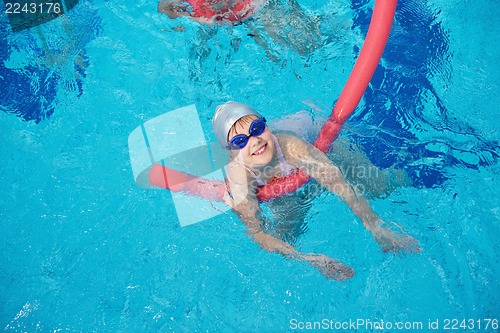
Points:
[(391, 241), (331, 269)]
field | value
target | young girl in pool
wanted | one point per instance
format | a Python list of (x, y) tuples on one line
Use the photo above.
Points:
[(282, 22), (258, 155)]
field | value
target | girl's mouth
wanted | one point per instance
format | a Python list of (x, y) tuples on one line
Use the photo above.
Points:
[(261, 150)]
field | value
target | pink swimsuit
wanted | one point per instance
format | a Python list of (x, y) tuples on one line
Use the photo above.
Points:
[(241, 11)]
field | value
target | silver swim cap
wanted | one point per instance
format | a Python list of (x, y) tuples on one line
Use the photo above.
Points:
[(226, 115)]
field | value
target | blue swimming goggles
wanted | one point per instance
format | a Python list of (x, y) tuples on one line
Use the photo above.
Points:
[(257, 127)]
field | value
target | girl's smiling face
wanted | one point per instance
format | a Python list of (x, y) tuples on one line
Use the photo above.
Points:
[(259, 150)]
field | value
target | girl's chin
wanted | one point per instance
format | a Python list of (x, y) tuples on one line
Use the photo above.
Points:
[(261, 160), (258, 163)]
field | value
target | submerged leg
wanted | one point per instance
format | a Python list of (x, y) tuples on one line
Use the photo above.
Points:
[(285, 23), (359, 171), (290, 213)]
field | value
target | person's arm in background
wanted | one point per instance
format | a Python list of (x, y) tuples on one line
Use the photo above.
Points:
[(178, 8)]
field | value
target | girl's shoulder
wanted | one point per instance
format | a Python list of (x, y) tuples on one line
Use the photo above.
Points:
[(288, 139), (236, 172), (292, 145)]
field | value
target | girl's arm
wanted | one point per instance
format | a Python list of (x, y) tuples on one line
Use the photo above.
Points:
[(249, 212), (244, 202), (316, 164)]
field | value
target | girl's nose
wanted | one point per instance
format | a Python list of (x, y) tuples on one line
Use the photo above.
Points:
[(254, 140)]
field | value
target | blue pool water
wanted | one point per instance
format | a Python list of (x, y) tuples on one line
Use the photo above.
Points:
[(84, 249)]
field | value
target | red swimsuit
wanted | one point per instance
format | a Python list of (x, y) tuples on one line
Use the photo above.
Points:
[(239, 12)]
